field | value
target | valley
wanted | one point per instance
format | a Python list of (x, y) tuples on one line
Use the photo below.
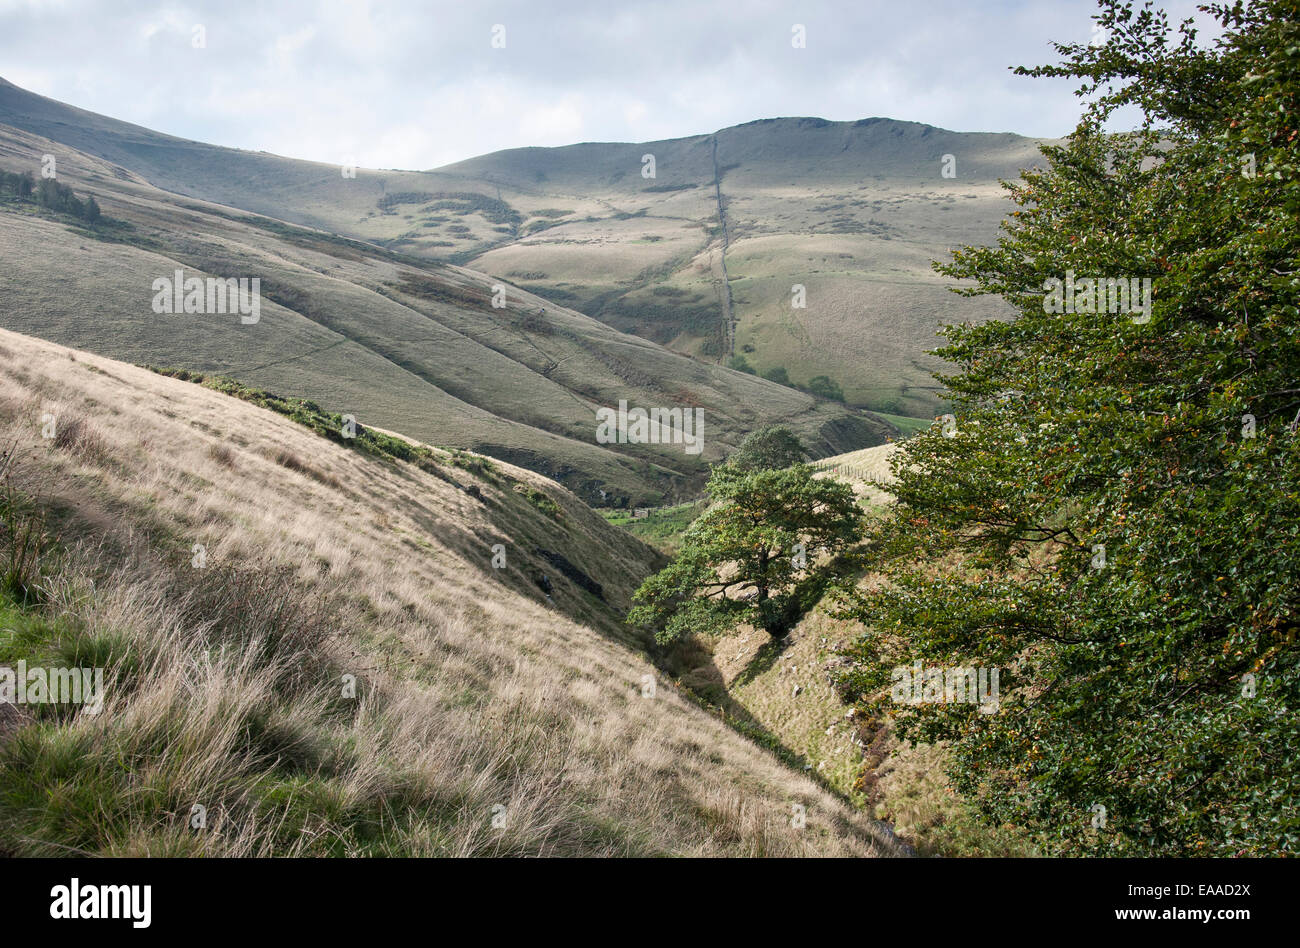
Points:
[(508, 310), (398, 341)]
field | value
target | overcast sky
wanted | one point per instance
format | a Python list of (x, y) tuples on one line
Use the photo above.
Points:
[(420, 84)]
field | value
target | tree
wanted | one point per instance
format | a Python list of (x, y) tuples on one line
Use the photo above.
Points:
[(92, 211), (741, 364), (47, 193), (824, 386), (1116, 498), (778, 375), (766, 449), (752, 557)]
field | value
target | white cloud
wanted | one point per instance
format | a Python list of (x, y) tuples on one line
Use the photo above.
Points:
[(417, 85), (285, 48), (551, 124)]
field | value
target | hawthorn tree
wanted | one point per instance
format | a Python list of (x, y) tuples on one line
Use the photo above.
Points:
[(826, 387), (753, 556), (768, 448), (1112, 515)]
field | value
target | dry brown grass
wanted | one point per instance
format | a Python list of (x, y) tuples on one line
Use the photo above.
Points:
[(79, 437), (473, 694), (867, 471)]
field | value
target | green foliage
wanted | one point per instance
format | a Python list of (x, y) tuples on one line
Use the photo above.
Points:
[(741, 364), (493, 210), (58, 197), (767, 449), (51, 195), (823, 386), (20, 185), (1118, 536), (387, 202), (541, 500), (753, 556), (778, 375), (663, 528), (332, 426)]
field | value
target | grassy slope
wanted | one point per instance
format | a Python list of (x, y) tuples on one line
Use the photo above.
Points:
[(854, 211), (400, 343), (662, 527), (474, 692)]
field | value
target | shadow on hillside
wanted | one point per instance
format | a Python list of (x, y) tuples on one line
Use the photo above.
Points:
[(535, 569), (704, 681), (763, 660)]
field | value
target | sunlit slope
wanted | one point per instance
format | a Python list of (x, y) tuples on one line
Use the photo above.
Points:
[(867, 471), (478, 691)]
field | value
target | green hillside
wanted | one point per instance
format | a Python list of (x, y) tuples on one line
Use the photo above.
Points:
[(702, 257), (398, 341)]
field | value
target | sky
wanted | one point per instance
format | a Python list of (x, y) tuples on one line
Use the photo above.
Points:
[(422, 84)]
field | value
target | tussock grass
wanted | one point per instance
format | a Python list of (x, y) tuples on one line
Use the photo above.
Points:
[(485, 721), (79, 437)]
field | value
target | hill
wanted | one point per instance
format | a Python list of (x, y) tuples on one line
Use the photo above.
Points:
[(703, 257), (397, 341), (230, 568)]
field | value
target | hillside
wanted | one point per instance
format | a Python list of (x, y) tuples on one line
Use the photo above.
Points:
[(853, 212), (867, 471), (230, 567), (396, 341), (702, 257)]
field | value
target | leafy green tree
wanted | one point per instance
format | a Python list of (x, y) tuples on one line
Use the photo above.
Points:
[(92, 212), (826, 387), (752, 556), (778, 375), (1111, 513), (741, 364), (767, 449), (47, 193)]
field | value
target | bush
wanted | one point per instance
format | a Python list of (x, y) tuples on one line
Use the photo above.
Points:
[(741, 364), (823, 386)]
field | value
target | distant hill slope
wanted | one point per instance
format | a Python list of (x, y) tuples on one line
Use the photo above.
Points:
[(867, 471), (397, 341), (701, 257), (476, 697)]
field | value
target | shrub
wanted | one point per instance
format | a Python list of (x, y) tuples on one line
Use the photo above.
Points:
[(778, 375), (823, 386), (741, 364)]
